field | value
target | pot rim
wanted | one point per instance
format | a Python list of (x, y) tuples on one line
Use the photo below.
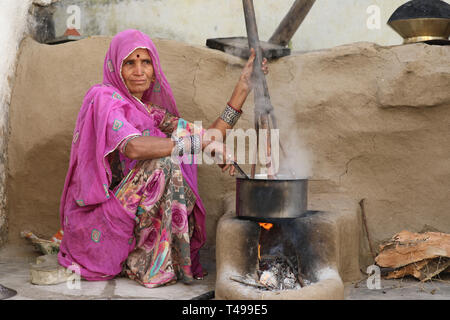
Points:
[(258, 177)]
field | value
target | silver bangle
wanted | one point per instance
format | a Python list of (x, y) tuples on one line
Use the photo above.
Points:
[(180, 146), (230, 115), (195, 144)]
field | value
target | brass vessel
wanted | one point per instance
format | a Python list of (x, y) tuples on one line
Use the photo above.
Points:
[(422, 29), (422, 21)]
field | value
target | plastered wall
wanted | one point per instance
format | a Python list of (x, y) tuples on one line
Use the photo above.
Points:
[(373, 119), (329, 23), (13, 17)]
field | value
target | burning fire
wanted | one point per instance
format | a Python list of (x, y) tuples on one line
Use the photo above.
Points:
[(266, 226)]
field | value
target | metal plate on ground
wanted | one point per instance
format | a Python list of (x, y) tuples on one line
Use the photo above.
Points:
[(6, 293)]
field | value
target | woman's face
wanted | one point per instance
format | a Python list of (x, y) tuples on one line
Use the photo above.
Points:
[(137, 72)]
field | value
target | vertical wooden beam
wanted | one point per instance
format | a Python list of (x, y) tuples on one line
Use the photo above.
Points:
[(291, 22), (263, 106), (262, 98)]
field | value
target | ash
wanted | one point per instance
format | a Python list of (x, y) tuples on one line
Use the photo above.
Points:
[(280, 273)]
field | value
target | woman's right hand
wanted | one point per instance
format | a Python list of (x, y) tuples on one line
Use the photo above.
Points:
[(223, 157), (244, 84)]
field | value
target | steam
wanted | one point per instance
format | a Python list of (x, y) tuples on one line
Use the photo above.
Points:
[(293, 158), (296, 162)]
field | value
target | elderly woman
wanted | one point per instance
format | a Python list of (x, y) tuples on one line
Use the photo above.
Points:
[(127, 207)]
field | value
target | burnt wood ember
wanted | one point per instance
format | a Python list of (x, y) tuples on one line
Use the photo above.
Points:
[(249, 281)]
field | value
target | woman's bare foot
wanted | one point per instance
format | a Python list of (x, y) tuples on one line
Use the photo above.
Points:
[(205, 273)]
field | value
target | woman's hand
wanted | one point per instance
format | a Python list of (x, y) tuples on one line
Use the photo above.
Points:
[(245, 80), (221, 155), (244, 84)]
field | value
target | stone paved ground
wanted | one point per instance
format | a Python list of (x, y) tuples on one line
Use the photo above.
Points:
[(15, 274), (407, 288)]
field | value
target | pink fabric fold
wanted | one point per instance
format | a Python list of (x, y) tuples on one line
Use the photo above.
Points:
[(98, 231)]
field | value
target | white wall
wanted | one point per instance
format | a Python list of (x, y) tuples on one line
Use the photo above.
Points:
[(13, 16), (330, 22), (13, 19)]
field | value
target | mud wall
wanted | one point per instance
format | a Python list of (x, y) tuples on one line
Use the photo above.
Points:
[(374, 121), (13, 16)]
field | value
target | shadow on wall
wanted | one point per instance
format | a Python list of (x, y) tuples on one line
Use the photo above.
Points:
[(35, 186)]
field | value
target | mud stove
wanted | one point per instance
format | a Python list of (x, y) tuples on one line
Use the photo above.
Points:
[(273, 247)]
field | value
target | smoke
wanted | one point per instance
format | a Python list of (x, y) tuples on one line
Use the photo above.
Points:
[(295, 160)]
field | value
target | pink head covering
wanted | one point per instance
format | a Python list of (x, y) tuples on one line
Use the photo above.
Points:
[(122, 45), (98, 232)]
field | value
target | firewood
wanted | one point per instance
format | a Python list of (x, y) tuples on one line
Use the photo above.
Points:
[(248, 281), (433, 268), (412, 269), (422, 270), (408, 247)]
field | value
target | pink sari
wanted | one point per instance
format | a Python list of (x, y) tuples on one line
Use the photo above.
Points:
[(98, 231)]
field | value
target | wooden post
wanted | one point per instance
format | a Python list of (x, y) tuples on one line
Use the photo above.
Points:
[(291, 22), (263, 106)]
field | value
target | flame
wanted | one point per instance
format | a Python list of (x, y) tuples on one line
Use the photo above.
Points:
[(266, 226)]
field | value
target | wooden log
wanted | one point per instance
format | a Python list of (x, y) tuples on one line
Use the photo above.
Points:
[(412, 269), (291, 22), (408, 247), (423, 270)]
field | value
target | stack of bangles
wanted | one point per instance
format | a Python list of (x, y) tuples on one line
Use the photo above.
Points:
[(188, 145), (192, 144)]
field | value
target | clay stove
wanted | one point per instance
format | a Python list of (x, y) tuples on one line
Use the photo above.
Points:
[(299, 243)]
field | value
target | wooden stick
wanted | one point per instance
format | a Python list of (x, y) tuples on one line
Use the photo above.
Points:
[(246, 282), (291, 22), (255, 159), (263, 106), (361, 204)]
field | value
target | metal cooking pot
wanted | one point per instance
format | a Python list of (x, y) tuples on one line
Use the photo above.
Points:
[(261, 198)]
